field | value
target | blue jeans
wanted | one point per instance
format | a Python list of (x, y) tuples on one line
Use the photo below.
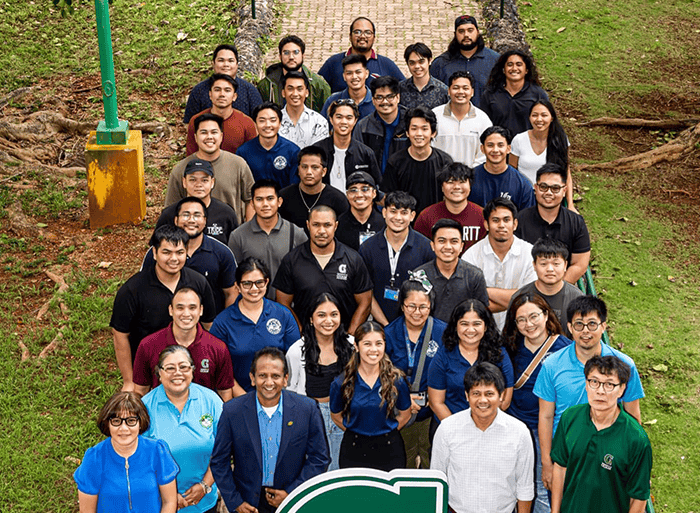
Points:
[(333, 433), (541, 504)]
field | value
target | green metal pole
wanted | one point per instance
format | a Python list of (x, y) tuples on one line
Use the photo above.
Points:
[(111, 130)]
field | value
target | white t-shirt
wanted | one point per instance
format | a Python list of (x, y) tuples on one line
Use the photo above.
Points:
[(528, 161), (338, 171)]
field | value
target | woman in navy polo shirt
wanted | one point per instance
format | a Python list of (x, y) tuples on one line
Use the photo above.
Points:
[(532, 331), (317, 359), (253, 321), (371, 402), (406, 338), (470, 336)]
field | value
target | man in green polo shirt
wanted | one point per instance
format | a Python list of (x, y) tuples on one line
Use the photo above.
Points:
[(602, 456)]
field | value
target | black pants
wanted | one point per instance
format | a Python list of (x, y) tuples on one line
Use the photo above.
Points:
[(381, 452), (263, 505)]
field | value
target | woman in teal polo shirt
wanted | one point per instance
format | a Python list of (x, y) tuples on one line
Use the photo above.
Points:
[(185, 415)]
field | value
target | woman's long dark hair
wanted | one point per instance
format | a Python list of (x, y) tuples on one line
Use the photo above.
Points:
[(557, 143), (491, 342), (498, 76), (388, 374), (341, 346), (511, 334)]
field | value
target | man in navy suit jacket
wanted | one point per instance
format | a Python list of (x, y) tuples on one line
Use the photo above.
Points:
[(275, 438)]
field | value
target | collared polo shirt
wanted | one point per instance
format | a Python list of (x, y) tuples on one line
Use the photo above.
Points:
[(460, 138), (466, 282), (270, 436), (212, 361), (433, 94), (352, 233), (366, 107), (141, 305), (247, 98), (368, 416), (479, 65), (568, 228), (378, 65), (190, 435), (511, 111), (510, 184), (344, 276), (279, 163), (375, 252), (311, 127), (513, 272), (276, 327), (561, 380)]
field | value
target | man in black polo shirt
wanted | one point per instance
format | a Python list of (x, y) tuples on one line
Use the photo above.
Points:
[(298, 199), (363, 219), (548, 219), (141, 305), (323, 264), (453, 279)]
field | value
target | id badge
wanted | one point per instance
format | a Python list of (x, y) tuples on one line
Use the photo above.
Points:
[(365, 235), (391, 294)]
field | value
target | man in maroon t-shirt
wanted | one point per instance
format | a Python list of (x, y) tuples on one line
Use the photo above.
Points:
[(456, 180), (212, 361)]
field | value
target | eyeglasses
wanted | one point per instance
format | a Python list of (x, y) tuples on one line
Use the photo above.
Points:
[(172, 369), (117, 421), (607, 386), (366, 33), (544, 187), (247, 285), (388, 97), (197, 216), (533, 318), (410, 308), (357, 190), (287, 53), (591, 325)]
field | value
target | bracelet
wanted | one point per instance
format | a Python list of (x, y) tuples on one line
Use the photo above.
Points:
[(205, 487)]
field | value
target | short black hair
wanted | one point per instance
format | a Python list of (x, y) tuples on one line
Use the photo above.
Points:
[(266, 105), (422, 112), (292, 39), (225, 47), (445, 223), (169, 233), (265, 183), (294, 74), (400, 200), (387, 81), (484, 373), (546, 247), (323, 208), (461, 74), (190, 199), (343, 102), (496, 130), (274, 353), (249, 265), (220, 76), (583, 305), (552, 168), (208, 116), (608, 365), (352, 25), (314, 150), (455, 171), (499, 202), (419, 49), (354, 58)]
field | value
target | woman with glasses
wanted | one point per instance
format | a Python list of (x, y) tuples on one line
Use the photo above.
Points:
[(126, 473), (408, 337), (471, 336), (545, 142), (317, 358), (532, 332), (185, 415), (253, 321)]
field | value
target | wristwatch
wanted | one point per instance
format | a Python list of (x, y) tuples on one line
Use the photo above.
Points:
[(207, 488)]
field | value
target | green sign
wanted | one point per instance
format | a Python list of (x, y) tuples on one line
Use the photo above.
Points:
[(362, 490)]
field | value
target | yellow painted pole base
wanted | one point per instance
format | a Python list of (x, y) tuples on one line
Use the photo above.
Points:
[(116, 187)]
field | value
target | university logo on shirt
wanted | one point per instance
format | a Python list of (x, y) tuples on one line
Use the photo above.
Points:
[(274, 326), (207, 420), (432, 349), (280, 162), (342, 272), (607, 462), (205, 366)]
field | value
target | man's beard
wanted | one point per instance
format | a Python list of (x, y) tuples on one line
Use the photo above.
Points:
[(297, 68), (469, 47)]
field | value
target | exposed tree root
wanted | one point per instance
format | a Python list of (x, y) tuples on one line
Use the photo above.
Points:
[(666, 124), (52, 345)]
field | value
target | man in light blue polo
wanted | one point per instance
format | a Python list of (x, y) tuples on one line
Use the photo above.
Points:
[(355, 74), (562, 383)]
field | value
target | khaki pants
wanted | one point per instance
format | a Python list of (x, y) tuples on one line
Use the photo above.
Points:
[(417, 443)]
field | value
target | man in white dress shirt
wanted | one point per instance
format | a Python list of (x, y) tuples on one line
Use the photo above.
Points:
[(300, 124)]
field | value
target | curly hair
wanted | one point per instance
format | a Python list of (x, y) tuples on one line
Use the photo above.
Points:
[(512, 336), (498, 76), (490, 344), (388, 374), (343, 350)]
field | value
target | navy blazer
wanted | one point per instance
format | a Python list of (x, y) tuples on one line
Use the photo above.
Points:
[(303, 452)]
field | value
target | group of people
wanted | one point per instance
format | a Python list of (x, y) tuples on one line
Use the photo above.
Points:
[(358, 269)]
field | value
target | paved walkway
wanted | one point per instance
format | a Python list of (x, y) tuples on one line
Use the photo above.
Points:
[(324, 25)]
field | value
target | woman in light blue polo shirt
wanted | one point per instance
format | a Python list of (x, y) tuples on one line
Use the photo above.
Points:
[(470, 336), (371, 402), (253, 321), (185, 415)]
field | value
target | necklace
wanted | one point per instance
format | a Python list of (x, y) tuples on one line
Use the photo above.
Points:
[(305, 203)]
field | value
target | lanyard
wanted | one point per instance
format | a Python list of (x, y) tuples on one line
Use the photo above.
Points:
[(394, 258), (411, 353)]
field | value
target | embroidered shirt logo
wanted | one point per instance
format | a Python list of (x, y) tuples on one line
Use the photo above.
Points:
[(205, 366), (206, 420), (280, 162), (274, 326), (607, 462), (342, 272), (432, 349)]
